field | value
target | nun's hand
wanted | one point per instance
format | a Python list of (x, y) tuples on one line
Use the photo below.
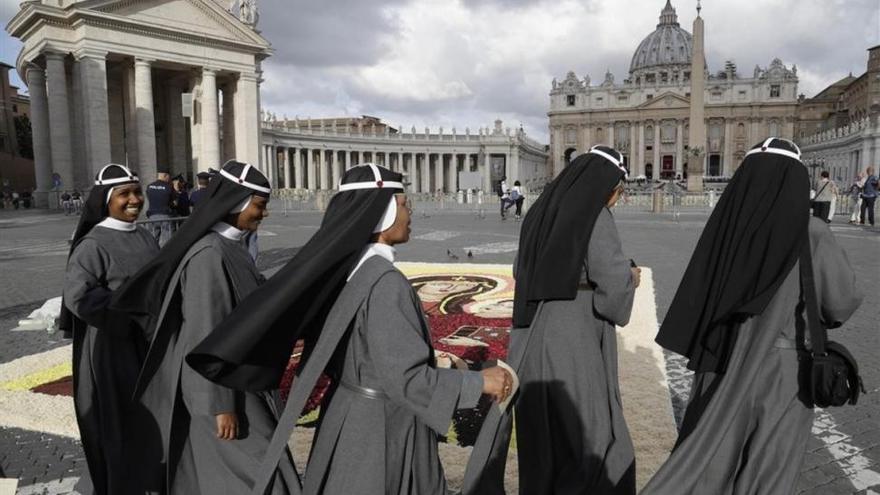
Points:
[(227, 426), (497, 383), (636, 276)]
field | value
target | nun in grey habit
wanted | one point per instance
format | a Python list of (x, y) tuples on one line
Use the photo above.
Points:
[(573, 285), (213, 437), (738, 316), (108, 248), (379, 429)]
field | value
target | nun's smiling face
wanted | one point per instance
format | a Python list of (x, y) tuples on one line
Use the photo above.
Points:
[(126, 202), (249, 219)]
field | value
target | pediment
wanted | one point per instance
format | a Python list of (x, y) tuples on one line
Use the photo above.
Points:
[(202, 17), (665, 101)]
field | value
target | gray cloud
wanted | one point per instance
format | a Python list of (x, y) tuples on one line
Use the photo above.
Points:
[(329, 34)]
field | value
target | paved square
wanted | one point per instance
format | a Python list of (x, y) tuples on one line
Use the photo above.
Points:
[(843, 454)]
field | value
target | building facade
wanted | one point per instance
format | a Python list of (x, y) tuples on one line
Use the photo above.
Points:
[(647, 115), (839, 128), (138, 83), (313, 154)]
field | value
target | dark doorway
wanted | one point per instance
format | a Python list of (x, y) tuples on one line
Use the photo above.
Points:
[(714, 165), (667, 167), (649, 171)]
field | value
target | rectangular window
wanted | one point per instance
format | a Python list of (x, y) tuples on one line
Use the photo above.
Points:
[(622, 98), (570, 99), (650, 97), (774, 91)]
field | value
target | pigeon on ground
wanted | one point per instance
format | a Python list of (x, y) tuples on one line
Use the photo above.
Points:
[(451, 255), (470, 254)]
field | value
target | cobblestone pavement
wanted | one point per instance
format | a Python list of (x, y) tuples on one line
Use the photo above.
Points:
[(843, 453)]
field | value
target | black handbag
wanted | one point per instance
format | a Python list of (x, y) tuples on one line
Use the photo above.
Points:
[(834, 374)]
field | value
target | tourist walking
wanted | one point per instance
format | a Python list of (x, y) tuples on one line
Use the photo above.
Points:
[(108, 248), (826, 191), (516, 195), (869, 196), (213, 437), (160, 199), (390, 403), (737, 317), (855, 197)]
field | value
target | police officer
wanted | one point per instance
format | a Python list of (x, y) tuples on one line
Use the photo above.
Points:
[(161, 199), (202, 178)]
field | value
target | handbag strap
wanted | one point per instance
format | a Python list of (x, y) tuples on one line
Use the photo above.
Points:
[(822, 189), (808, 287)]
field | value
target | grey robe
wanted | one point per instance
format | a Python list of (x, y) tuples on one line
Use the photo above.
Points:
[(383, 443), (108, 354), (752, 434), (388, 445), (571, 433), (213, 277)]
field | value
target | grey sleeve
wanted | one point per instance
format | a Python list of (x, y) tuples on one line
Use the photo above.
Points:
[(403, 358), (86, 293), (207, 299), (609, 272), (835, 279)]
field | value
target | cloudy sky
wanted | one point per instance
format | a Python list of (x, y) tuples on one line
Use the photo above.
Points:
[(463, 63)]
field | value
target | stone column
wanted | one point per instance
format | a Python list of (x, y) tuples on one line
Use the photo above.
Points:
[(322, 166), (285, 164), (487, 173), (273, 169), (210, 156), (679, 148), (229, 127), (438, 172), (425, 173), (452, 177), (413, 173), (36, 81), (247, 118), (610, 136), (59, 119), (657, 167), (349, 162), (298, 168), (632, 148), (93, 74), (727, 164), (511, 164), (176, 129), (334, 170), (146, 127), (310, 170), (640, 164)]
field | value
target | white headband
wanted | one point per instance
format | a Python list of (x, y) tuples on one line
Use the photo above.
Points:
[(765, 148), (240, 180), (241, 206), (116, 180), (388, 217), (618, 162), (378, 184)]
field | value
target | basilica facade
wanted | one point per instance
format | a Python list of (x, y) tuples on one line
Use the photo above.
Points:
[(646, 116)]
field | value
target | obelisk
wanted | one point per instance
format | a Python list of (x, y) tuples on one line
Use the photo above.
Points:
[(697, 133)]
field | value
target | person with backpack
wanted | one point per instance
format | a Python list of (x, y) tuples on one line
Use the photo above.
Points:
[(517, 197)]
